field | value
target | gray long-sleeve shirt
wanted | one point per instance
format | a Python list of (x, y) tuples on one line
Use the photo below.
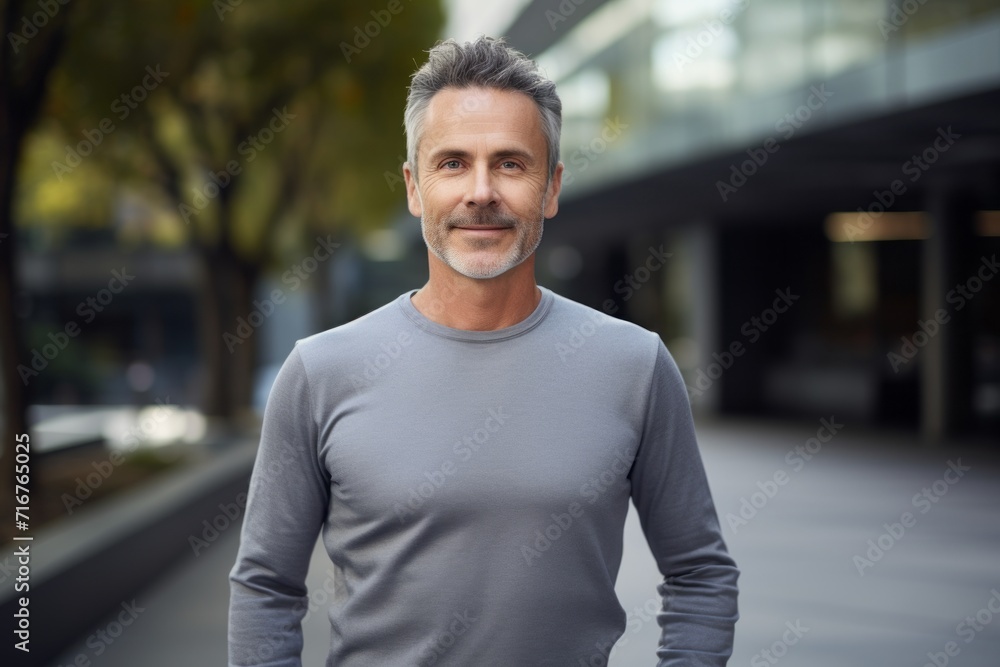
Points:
[(472, 486)]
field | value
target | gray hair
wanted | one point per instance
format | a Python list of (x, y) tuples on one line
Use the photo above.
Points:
[(488, 63)]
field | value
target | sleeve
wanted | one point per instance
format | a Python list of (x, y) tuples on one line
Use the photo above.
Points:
[(286, 507), (671, 494)]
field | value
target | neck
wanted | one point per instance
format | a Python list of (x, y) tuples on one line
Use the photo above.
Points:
[(457, 301)]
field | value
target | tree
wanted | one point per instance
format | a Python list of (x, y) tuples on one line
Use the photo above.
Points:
[(263, 123), (34, 35), (257, 125)]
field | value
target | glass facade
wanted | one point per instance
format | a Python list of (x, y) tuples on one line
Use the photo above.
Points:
[(676, 72), (667, 105)]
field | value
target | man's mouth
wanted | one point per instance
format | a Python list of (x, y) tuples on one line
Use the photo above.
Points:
[(482, 222)]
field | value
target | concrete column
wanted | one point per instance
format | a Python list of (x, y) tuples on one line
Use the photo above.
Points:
[(706, 305), (946, 360)]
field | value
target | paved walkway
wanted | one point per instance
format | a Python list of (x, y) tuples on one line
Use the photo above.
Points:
[(811, 593)]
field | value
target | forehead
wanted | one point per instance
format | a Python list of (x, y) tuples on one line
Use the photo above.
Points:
[(467, 112)]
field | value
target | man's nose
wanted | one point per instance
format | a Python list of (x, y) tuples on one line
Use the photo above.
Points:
[(481, 188)]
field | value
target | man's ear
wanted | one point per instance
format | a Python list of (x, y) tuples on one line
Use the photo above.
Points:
[(412, 195), (552, 193)]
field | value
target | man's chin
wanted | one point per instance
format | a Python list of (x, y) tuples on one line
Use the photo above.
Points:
[(482, 273), (483, 270)]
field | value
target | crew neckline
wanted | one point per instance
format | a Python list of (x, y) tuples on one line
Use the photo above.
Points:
[(527, 324)]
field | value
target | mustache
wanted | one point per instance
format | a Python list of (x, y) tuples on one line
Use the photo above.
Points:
[(481, 218)]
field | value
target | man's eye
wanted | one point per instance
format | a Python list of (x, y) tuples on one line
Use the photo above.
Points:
[(452, 164), (509, 164)]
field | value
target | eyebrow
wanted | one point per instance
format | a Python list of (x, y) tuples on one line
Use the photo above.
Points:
[(441, 153)]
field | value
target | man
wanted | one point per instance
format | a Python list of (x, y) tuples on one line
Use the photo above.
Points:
[(470, 482)]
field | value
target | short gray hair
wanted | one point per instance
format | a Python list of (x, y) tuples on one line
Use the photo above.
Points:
[(487, 63)]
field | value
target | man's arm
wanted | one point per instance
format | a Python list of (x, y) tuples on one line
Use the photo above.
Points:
[(675, 507), (286, 507)]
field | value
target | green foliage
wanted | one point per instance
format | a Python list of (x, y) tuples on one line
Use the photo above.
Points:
[(194, 91)]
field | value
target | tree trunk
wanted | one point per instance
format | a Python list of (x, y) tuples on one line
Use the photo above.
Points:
[(229, 325), (24, 76), (13, 391), (228, 331)]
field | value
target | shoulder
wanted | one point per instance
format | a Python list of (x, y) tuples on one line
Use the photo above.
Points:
[(353, 339), (576, 327)]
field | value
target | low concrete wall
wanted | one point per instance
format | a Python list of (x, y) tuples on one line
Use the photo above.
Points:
[(85, 567)]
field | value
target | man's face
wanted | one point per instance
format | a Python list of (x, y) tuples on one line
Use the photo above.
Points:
[(483, 188)]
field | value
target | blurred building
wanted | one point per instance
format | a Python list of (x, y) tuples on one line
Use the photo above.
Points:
[(129, 340), (800, 195)]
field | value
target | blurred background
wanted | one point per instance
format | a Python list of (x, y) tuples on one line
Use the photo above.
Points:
[(802, 197)]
